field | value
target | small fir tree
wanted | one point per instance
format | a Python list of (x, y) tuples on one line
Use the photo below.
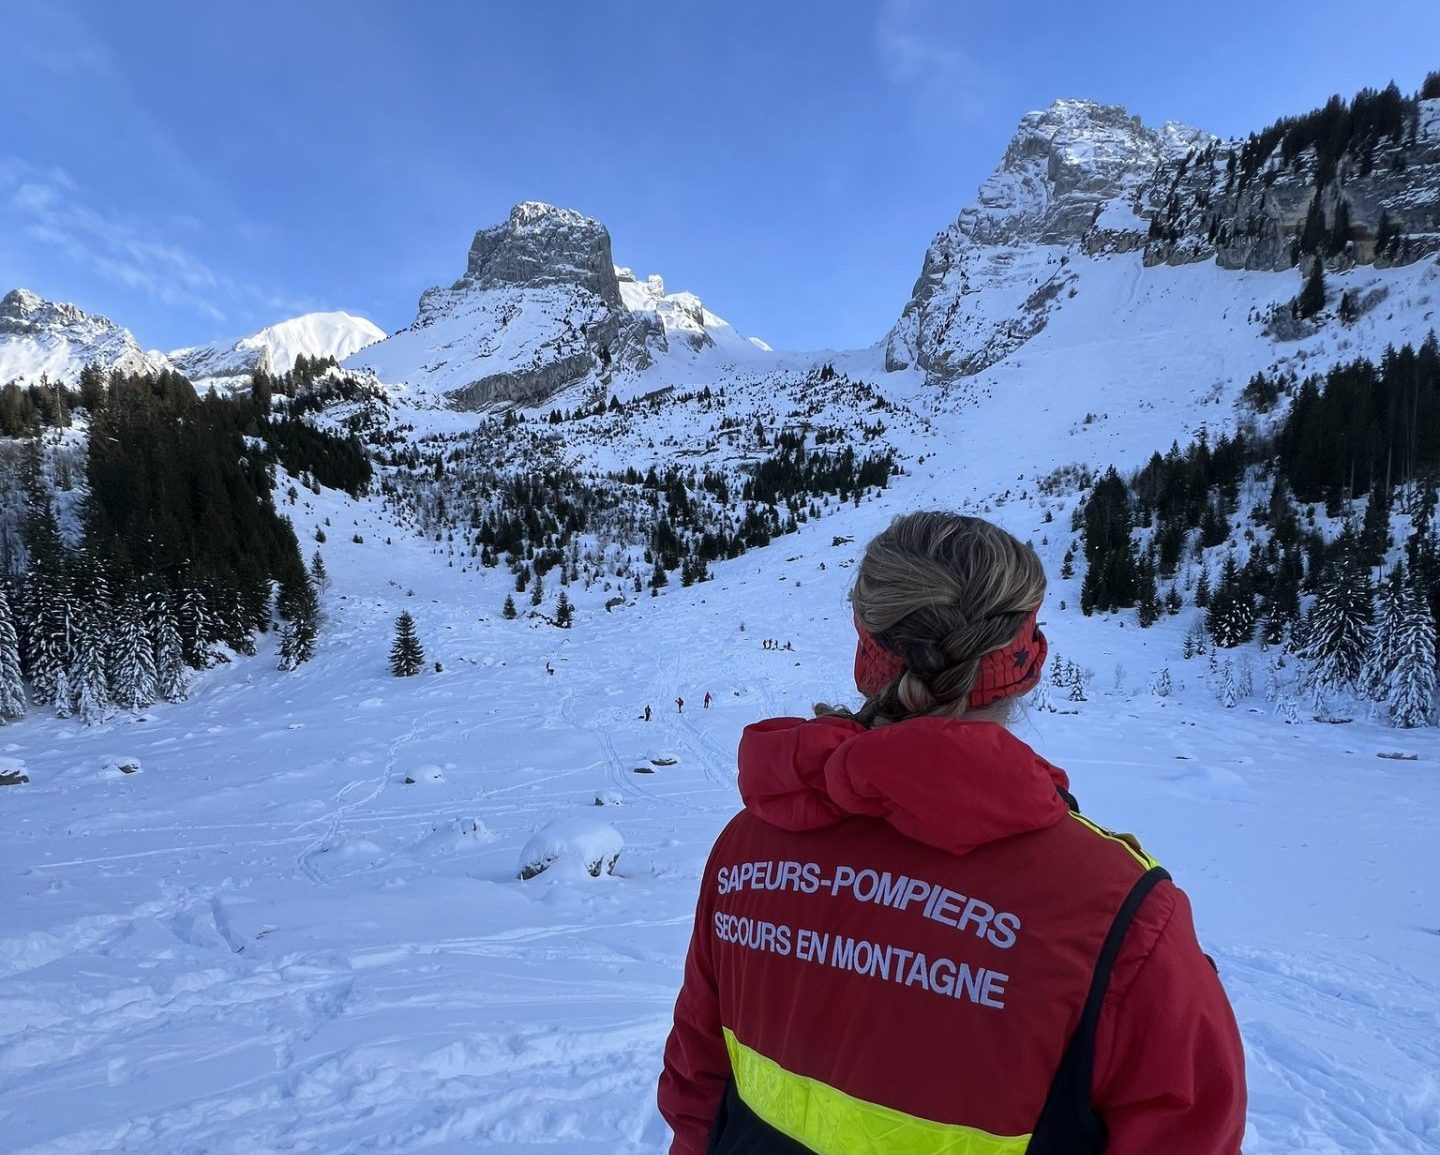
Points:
[(92, 691), (564, 612), (63, 700), (301, 607), (132, 659), (407, 656), (12, 682), (1338, 630), (1410, 691), (170, 677), (509, 612), (195, 626)]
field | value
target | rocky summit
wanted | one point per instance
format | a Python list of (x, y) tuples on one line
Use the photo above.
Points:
[(40, 338), (1344, 185), (542, 306)]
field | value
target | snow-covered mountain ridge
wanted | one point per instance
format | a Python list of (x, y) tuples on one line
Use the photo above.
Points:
[(40, 338), (54, 340), (273, 349)]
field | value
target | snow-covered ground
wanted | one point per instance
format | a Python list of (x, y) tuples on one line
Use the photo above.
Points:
[(267, 939), (298, 927)]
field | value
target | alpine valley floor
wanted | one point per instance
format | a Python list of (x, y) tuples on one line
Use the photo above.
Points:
[(268, 940)]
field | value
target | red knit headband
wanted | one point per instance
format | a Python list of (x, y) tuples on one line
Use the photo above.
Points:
[(1007, 672)]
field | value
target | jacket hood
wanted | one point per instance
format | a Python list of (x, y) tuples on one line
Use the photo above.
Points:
[(951, 784)]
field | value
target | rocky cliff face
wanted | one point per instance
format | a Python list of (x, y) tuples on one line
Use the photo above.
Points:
[(1076, 175), (56, 340), (541, 306), (1083, 179), (1378, 202)]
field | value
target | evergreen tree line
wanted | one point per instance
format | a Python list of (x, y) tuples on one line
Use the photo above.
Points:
[(1354, 433), (638, 527), (1355, 126), (179, 547)]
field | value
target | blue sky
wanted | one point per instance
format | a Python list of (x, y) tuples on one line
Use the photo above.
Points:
[(200, 170)]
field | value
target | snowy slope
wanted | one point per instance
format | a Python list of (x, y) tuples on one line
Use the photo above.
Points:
[(298, 928), (275, 348), (40, 338)]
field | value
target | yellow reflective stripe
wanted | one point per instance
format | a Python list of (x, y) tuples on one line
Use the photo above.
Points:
[(830, 1122), (1128, 841)]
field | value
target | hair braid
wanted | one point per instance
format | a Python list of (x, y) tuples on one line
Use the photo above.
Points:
[(941, 590)]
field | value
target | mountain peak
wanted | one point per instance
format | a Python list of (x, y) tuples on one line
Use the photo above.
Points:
[(275, 348), (528, 214), (56, 339), (541, 245)]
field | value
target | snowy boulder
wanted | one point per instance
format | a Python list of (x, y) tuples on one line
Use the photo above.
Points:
[(118, 766), (572, 848), (12, 771)]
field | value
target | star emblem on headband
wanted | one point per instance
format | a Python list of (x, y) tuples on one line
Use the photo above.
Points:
[(1021, 659)]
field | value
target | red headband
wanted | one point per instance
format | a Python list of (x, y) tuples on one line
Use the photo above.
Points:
[(1008, 672)]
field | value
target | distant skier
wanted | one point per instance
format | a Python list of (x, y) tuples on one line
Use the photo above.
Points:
[(679, 705), (647, 711), (1029, 981), (549, 669), (707, 699)]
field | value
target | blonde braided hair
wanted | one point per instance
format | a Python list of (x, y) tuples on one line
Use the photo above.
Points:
[(941, 590)]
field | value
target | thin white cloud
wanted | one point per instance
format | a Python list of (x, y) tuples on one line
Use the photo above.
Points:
[(48, 207), (921, 47)]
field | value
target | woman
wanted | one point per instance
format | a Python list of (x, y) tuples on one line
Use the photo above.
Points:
[(910, 941)]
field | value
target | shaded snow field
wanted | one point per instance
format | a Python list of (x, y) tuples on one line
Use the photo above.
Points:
[(269, 940)]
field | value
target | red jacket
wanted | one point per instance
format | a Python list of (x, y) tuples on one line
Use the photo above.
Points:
[(893, 945)]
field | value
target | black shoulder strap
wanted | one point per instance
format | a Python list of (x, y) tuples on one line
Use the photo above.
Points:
[(1068, 1124)]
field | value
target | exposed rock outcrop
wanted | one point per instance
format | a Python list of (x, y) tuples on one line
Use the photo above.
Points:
[(1086, 179), (56, 340)]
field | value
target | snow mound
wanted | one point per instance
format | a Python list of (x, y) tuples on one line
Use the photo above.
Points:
[(572, 848), (119, 766), (455, 836)]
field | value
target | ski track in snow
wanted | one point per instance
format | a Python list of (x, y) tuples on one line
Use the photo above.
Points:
[(268, 941)]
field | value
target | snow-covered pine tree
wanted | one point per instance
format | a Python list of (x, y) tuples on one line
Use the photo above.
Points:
[(301, 608), (12, 682), (63, 700), (1226, 691), (1244, 677), (1337, 631), (170, 678), (1230, 616), (564, 612), (87, 675), (1410, 690), (1076, 679), (1162, 685), (132, 659), (318, 573), (407, 656), (1040, 696), (1381, 655), (508, 611), (193, 623)]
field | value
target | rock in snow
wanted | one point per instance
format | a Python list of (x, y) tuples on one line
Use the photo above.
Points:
[(572, 848)]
